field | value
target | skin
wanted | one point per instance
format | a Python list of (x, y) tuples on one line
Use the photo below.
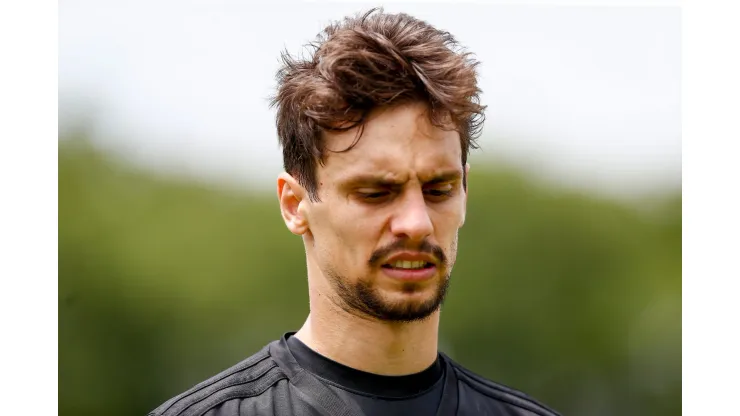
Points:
[(411, 200)]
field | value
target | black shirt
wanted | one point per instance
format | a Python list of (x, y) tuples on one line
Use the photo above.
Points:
[(415, 394), (286, 378)]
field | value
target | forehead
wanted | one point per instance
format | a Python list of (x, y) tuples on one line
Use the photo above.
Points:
[(398, 142)]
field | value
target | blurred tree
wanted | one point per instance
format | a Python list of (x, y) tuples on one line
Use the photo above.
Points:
[(164, 282)]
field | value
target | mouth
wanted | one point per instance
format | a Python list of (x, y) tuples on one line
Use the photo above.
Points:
[(410, 271), (408, 265)]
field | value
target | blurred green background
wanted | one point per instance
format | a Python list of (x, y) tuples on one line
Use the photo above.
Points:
[(572, 298)]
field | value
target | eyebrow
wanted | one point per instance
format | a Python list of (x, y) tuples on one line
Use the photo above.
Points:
[(449, 176), (383, 182)]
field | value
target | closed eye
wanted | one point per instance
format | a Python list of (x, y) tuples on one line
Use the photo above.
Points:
[(374, 195), (371, 195), (440, 191)]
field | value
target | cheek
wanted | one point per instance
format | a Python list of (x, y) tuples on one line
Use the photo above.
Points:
[(345, 236), (448, 218)]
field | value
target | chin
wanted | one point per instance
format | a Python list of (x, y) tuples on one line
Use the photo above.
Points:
[(406, 303), (409, 310), (391, 300)]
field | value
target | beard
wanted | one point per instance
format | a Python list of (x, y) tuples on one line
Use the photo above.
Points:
[(362, 298)]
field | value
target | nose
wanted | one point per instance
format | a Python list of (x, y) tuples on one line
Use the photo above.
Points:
[(411, 220)]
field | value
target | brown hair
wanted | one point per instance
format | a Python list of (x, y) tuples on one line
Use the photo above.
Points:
[(361, 63)]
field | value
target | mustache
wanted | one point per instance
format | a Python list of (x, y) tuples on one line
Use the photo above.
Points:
[(402, 245)]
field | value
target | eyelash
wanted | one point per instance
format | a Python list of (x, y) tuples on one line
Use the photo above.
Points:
[(437, 192), (378, 195), (374, 195)]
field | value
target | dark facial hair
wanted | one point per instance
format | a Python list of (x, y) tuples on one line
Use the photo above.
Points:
[(360, 297)]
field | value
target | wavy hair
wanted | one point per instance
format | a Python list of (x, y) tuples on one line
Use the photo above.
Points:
[(364, 62)]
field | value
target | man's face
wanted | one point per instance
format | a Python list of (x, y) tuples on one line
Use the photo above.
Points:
[(384, 234)]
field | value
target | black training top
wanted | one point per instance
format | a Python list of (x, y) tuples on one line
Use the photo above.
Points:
[(415, 394), (287, 378)]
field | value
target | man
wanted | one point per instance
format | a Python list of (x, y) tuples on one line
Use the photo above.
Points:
[(375, 128)]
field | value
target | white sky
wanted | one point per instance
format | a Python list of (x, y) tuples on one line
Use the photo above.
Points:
[(586, 95)]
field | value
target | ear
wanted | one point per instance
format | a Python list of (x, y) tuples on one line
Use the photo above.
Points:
[(292, 203), (465, 195)]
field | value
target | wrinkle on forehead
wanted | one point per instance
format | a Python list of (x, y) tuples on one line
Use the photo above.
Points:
[(411, 118), (397, 141)]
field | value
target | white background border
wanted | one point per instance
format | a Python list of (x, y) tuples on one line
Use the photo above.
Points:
[(28, 211), (710, 95), (28, 207)]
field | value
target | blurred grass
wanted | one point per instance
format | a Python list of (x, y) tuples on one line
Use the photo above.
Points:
[(163, 282)]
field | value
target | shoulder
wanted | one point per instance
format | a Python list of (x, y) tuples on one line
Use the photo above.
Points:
[(249, 378), (502, 395)]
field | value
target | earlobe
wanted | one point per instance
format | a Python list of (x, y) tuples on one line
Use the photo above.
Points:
[(290, 198)]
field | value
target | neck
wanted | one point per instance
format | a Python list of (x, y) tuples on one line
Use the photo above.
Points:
[(385, 348)]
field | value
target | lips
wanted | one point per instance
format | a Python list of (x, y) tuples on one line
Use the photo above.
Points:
[(409, 266), (406, 264), (411, 275), (403, 259)]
